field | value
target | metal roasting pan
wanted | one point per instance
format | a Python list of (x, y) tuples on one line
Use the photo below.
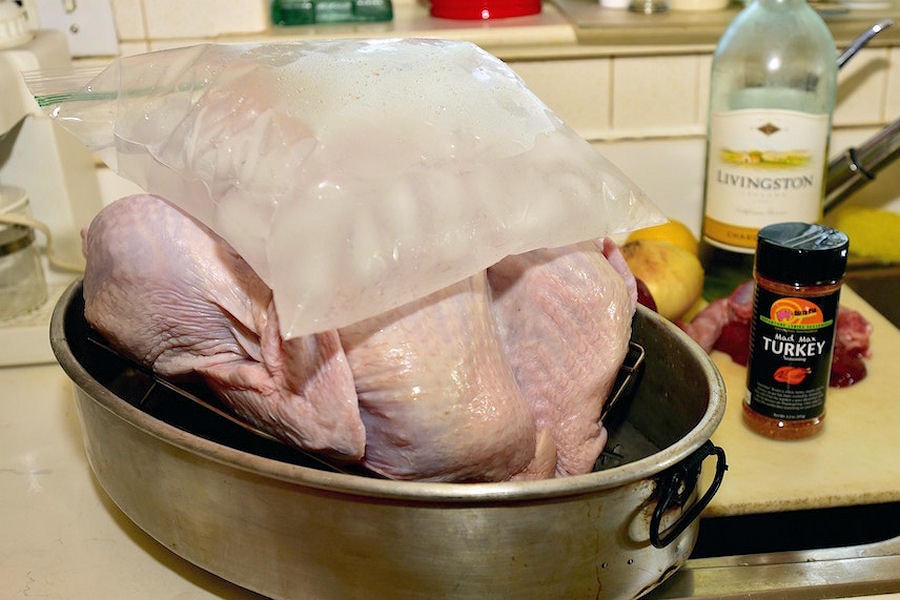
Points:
[(284, 524)]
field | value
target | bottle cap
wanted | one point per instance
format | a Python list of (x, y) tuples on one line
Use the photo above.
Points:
[(801, 253)]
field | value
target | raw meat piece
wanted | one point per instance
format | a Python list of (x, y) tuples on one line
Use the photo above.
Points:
[(853, 331), (564, 314), (851, 346), (707, 325), (166, 291)]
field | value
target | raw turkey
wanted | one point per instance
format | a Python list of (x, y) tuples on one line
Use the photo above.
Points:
[(499, 376), (562, 315), (167, 292)]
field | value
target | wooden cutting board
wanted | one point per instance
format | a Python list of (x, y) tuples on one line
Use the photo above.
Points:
[(854, 460)]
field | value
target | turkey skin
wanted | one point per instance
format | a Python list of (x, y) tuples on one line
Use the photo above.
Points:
[(500, 376)]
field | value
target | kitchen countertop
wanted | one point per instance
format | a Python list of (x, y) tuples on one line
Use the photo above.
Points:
[(548, 33), (577, 28), (63, 538), (597, 25)]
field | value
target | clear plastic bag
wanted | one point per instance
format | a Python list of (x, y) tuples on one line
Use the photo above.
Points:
[(353, 175)]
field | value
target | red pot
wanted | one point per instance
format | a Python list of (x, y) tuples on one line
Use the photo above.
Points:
[(483, 9)]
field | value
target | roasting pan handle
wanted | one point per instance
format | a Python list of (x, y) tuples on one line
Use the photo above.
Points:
[(676, 486)]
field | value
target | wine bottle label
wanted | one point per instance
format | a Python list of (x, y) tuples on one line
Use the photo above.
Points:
[(791, 343), (764, 167)]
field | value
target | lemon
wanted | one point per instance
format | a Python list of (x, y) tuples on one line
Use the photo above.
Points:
[(873, 232), (672, 231)]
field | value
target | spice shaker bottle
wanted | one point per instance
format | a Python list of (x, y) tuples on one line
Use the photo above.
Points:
[(798, 269)]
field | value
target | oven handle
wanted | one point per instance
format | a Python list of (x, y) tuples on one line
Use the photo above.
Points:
[(677, 484)]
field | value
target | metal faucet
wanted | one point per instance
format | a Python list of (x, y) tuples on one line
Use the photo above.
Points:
[(858, 165)]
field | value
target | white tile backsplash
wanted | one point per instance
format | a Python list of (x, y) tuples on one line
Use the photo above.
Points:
[(861, 88), (129, 17), (704, 67), (134, 47), (168, 19), (577, 90), (669, 171), (892, 88), (659, 93)]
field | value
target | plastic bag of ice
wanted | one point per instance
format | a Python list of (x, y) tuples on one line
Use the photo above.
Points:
[(354, 175)]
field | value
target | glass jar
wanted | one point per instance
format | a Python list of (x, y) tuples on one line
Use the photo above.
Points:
[(23, 287)]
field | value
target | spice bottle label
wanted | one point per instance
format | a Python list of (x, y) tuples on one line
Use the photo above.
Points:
[(764, 167), (791, 345)]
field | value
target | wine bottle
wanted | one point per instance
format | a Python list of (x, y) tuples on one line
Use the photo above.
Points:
[(772, 89)]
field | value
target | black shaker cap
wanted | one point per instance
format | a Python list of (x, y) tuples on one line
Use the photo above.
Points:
[(801, 253)]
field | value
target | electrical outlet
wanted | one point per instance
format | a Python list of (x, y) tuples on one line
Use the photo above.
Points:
[(88, 24)]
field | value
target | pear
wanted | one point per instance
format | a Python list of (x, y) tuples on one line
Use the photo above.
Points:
[(673, 275)]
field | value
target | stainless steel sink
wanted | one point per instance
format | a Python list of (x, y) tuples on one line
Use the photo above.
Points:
[(814, 554), (854, 571), (812, 529)]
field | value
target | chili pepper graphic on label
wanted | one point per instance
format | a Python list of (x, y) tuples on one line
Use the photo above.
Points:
[(791, 375)]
